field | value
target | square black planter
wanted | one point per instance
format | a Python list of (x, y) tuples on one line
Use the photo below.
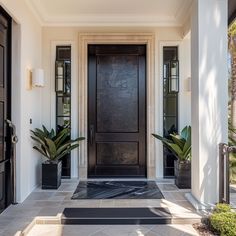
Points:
[(51, 175), (183, 174)]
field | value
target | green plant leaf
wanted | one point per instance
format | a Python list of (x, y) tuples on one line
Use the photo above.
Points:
[(180, 145), (51, 134), (162, 139), (184, 133), (40, 151), (187, 154), (67, 150), (78, 139), (188, 142), (60, 138), (45, 131), (54, 145), (178, 140), (38, 140), (177, 150), (38, 134), (51, 147), (64, 146)]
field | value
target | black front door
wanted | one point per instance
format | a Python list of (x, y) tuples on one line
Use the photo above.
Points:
[(117, 111), (5, 110)]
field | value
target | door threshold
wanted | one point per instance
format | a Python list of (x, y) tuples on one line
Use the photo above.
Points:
[(115, 179)]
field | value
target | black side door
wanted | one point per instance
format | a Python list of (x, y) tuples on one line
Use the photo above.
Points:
[(5, 110)]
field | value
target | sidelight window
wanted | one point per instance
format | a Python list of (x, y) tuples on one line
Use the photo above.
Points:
[(170, 102), (63, 96)]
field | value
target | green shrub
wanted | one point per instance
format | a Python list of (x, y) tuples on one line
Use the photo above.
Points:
[(221, 207), (223, 220), (224, 223)]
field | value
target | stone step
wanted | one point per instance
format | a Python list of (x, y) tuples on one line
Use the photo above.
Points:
[(117, 216)]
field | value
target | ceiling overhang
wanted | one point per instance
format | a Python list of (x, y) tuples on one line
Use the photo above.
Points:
[(118, 13)]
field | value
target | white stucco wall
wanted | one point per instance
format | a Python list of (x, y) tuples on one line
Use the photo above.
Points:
[(185, 83), (69, 35), (27, 44)]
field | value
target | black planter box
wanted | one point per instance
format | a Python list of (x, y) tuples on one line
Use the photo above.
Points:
[(51, 175), (183, 174)]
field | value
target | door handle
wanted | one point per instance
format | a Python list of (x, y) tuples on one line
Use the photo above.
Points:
[(91, 134), (14, 138)]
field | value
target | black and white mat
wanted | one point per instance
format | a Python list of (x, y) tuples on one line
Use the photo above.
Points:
[(117, 190), (114, 216)]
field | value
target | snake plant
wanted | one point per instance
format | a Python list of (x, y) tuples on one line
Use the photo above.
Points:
[(54, 145), (178, 144)]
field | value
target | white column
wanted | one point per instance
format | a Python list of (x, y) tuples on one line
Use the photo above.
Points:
[(209, 95)]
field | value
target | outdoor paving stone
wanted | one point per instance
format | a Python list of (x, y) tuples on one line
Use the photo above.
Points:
[(125, 230), (100, 234), (168, 187), (15, 226), (175, 230), (46, 230), (175, 196), (47, 203), (40, 196), (81, 203), (76, 230), (50, 211), (107, 203)]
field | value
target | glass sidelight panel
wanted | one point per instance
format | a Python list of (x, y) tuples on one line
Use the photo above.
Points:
[(62, 121), (63, 106), (169, 107), (170, 102), (63, 96)]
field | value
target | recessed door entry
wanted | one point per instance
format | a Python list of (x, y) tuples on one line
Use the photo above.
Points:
[(116, 111), (5, 110)]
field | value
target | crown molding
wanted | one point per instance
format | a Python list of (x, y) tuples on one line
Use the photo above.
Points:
[(111, 20), (37, 10)]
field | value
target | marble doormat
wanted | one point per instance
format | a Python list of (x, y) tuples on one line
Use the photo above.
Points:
[(117, 190)]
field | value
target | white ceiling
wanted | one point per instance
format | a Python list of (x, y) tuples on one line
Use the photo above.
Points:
[(111, 12)]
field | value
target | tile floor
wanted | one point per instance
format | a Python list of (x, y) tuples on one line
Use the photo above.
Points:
[(46, 203), (114, 230)]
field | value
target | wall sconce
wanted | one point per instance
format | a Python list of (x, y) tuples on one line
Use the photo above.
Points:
[(34, 78), (37, 78), (174, 77)]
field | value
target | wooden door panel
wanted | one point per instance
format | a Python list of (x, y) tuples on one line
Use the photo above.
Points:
[(117, 93), (117, 110), (117, 153)]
